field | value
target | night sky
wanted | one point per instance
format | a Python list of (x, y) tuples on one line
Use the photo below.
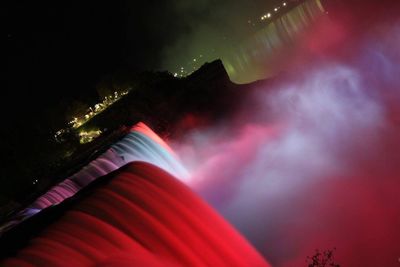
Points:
[(58, 51)]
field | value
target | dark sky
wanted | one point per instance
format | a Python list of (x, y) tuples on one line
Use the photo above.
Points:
[(58, 51)]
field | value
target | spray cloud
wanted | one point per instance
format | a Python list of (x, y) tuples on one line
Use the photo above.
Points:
[(313, 162)]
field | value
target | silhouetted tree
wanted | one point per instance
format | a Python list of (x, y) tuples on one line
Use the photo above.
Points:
[(322, 259)]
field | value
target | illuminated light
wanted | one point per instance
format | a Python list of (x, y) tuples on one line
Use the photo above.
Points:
[(92, 111), (175, 74), (284, 4), (275, 9), (87, 137), (77, 124), (194, 60), (268, 15)]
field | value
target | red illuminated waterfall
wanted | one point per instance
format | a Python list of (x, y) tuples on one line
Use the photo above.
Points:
[(142, 216)]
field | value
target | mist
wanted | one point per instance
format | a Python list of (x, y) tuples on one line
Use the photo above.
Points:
[(313, 162)]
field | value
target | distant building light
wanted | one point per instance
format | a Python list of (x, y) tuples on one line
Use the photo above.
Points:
[(87, 137)]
